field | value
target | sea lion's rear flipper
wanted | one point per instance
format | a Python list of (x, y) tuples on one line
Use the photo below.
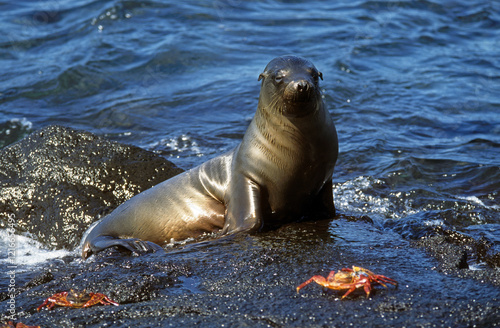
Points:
[(134, 245)]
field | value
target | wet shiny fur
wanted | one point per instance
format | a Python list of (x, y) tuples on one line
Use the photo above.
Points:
[(281, 172)]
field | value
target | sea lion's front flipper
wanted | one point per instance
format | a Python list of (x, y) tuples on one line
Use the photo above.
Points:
[(134, 245), (243, 206)]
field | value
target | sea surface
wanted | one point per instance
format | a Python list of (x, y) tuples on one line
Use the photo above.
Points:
[(413, 88)]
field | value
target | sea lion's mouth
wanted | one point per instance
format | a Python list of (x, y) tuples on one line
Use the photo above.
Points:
[(299, 98), (298, 107), (299, 91)]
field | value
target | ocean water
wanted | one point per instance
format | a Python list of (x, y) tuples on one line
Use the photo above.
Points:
[(413, 87)]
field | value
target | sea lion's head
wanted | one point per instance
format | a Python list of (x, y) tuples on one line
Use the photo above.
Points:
[(290, 86)]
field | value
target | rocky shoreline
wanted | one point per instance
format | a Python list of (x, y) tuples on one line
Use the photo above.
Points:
[(57, 181)]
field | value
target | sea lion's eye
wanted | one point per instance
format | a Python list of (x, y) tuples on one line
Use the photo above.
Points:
[(278, 78)]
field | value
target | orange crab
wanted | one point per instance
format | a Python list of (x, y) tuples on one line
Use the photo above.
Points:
[(10, 324), (350, 280), (76, 300)]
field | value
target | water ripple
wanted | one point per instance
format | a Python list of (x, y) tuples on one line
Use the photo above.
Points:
[(412, 86)]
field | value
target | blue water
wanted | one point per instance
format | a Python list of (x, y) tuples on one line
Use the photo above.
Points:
[(413, 87)]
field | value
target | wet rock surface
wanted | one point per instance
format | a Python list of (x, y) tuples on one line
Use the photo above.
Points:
[(57, 181), (251, 279), (462, 255)]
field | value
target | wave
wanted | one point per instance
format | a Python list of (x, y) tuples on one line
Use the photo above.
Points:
[(13, 130), (28, 252)]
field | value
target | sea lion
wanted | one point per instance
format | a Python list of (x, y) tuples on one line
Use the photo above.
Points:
[(280, 172)]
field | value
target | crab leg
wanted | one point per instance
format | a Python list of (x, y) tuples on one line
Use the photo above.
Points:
[(353, 288), (96, 298), (43, 304), (320, 280), (108, 301), (384, 279), (331, 276), (368, 288), (92, 301)]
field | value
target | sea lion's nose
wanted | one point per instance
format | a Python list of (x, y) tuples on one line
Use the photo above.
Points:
[(302, 86), (300, 90)]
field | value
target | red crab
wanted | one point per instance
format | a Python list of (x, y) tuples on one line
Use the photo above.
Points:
[(10, 324), (76, 300), (350, 280)]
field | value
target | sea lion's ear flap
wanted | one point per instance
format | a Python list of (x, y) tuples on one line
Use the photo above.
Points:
[(262, 75), (320, 75)]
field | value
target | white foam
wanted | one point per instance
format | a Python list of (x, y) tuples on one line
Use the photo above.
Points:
[(477, 201), (28, 252), (15, 122), (180, 144), (24, 122), (353, 196), (434, 223), (478, 266)]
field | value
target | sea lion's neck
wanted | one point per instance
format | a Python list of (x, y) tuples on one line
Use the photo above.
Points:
[(281, 139), (269, 119)]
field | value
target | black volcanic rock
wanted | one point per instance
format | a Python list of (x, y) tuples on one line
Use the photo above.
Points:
[(57, 181)]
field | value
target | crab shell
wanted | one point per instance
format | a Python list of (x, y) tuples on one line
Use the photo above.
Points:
[(350, 280), (76, 300), (10, 324)]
